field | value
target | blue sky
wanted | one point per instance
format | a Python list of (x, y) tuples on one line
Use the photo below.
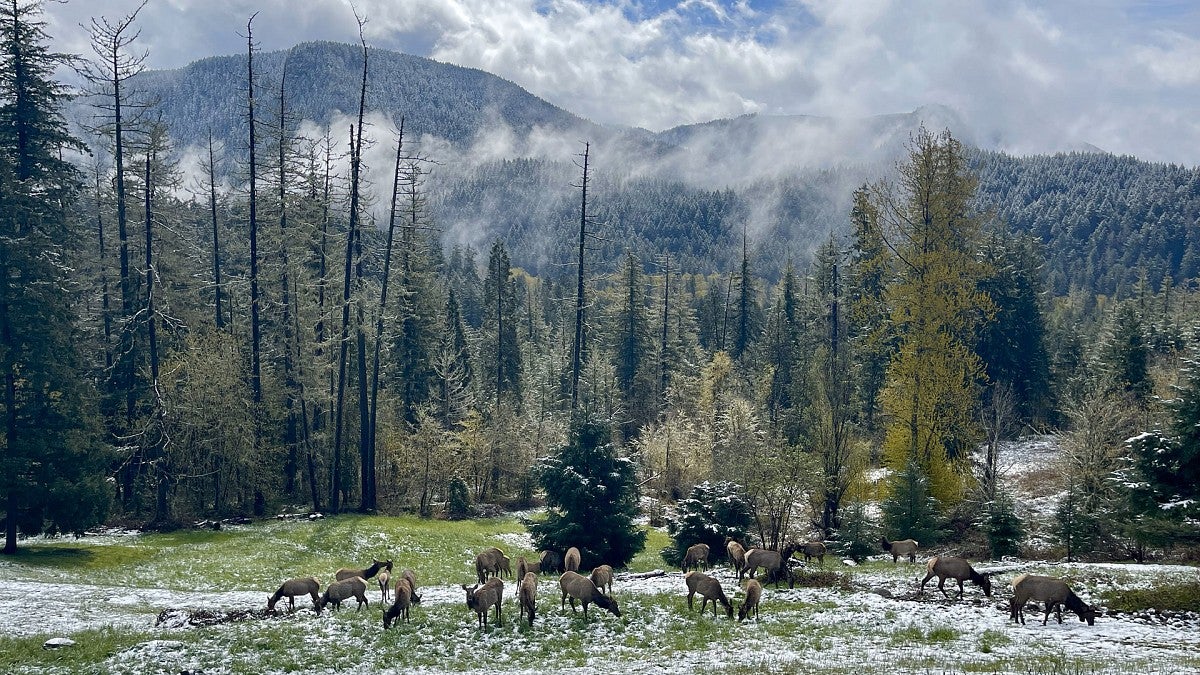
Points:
[(1027, 76)]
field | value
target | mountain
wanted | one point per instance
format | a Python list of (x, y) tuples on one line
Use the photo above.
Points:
[(506, 170), (323, 83)]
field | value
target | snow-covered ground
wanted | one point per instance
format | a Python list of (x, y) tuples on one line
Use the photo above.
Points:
[(856, 627), (879, 625)]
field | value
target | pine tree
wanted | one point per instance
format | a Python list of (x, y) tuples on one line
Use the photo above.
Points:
[(592, 499), (1124, 357), (1005, 531), (50, 463), (500, 353), (712, 512), (635, 377)]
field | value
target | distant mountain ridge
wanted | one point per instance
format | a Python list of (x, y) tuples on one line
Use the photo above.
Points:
[(1105, 221)]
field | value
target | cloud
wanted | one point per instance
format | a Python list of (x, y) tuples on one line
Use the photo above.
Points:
[(1027, 76)]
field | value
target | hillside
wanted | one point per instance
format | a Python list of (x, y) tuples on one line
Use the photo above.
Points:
[(1104, 221)]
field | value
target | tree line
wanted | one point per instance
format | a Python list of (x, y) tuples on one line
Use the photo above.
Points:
[(265, 337)]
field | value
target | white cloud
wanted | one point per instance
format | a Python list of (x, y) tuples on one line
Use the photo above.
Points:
[(1121, 75)]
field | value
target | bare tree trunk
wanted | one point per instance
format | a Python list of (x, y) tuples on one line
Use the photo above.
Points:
[(290, 384), (578, 348), (218, 316), (351, 240), (387, 268), (255, 327), (105, 300)]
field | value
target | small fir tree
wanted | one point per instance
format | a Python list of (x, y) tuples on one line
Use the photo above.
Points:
[(458, 501), (711, 513), (592, 498), (1076, 528), (859, 536), (1004, 530), (910, 513)]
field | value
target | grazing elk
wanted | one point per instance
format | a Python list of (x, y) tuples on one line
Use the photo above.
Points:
[(581, 588), (950, 567), (293, 587), (1054, 592), (709, 590)]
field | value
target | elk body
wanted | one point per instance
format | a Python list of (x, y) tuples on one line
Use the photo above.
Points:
[(578, 587), (737, 555), (527, 596), (345, 589), (572, 560), (750, 604), (1054, 592), (291, 588), (481, 598), (710, 590), (376, 565), (696, 556), (951, 567), (902, 548)]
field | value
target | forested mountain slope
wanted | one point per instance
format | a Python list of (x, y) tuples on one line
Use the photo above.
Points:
[(693, 191)]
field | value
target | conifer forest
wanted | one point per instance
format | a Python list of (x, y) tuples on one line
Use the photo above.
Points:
[(228, 292)]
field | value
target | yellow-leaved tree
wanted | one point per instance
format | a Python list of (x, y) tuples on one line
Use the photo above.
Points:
[(934, 377)]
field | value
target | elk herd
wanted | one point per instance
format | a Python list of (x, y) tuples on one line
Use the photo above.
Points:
[(486, 597)]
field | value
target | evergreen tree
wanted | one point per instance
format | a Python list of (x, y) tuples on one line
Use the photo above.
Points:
[(635, 375), (868, 326), (50, 463), (910, 512), (1162, 474), (1013, 345), (592, 499), (858, 536), (1124, 356), (1004, 529), (712, 512), (500, 354)]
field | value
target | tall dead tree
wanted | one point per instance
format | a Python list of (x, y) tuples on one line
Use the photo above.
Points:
[(368, 468), (255, 321), (579, 348), (218, 314), (383, 291), (290, 383), (107, 76)]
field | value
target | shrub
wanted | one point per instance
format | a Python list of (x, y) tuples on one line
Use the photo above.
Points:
[(711, 513)]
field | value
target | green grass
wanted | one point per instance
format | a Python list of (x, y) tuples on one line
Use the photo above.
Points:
[(1175, 597), (801, 630)]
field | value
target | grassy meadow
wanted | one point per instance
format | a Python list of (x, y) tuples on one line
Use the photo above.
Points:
[(821, 630)]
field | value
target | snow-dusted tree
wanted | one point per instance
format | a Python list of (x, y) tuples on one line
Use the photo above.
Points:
[(910, 512), (592, 497), (858, 536), (711, 513), (1004, 529)]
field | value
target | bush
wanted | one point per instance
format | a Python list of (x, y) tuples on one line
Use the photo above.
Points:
[(711, 513)]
